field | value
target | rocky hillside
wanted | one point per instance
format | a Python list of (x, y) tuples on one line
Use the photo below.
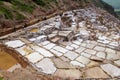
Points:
[(14, 12)]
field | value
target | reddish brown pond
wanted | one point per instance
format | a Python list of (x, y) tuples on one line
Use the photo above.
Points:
[(6, 60)]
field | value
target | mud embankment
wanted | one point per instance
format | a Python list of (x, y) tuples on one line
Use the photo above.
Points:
[(10, 56)]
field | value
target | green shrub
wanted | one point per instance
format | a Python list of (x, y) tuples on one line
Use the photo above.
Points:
[(6, 0), (22, 6), (1, 2), (1, 78), (19, 16), (40, 2), (6, 13)]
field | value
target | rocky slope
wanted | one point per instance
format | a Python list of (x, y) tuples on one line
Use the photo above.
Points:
[(21, 12)]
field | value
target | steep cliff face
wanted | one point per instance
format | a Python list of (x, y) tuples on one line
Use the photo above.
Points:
[(13, 12)]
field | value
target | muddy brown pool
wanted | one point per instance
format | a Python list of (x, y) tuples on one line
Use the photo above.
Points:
[(6, 60)]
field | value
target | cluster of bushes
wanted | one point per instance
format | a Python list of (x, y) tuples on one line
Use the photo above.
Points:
[(21, 5), (4, 11), (44, 2), (19, 16), (40, 2), (18, 4), (6, 0)]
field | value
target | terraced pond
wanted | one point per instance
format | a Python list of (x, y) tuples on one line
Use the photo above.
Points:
[(6, 60)]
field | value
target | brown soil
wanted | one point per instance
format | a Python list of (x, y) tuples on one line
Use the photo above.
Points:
[(26, 74), (6, 60)]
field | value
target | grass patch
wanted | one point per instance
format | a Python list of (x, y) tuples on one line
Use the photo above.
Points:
[(19, 16), (1, 2), (1, 78), (4, 11), (19, 4), (40, 2), (44, 3)]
